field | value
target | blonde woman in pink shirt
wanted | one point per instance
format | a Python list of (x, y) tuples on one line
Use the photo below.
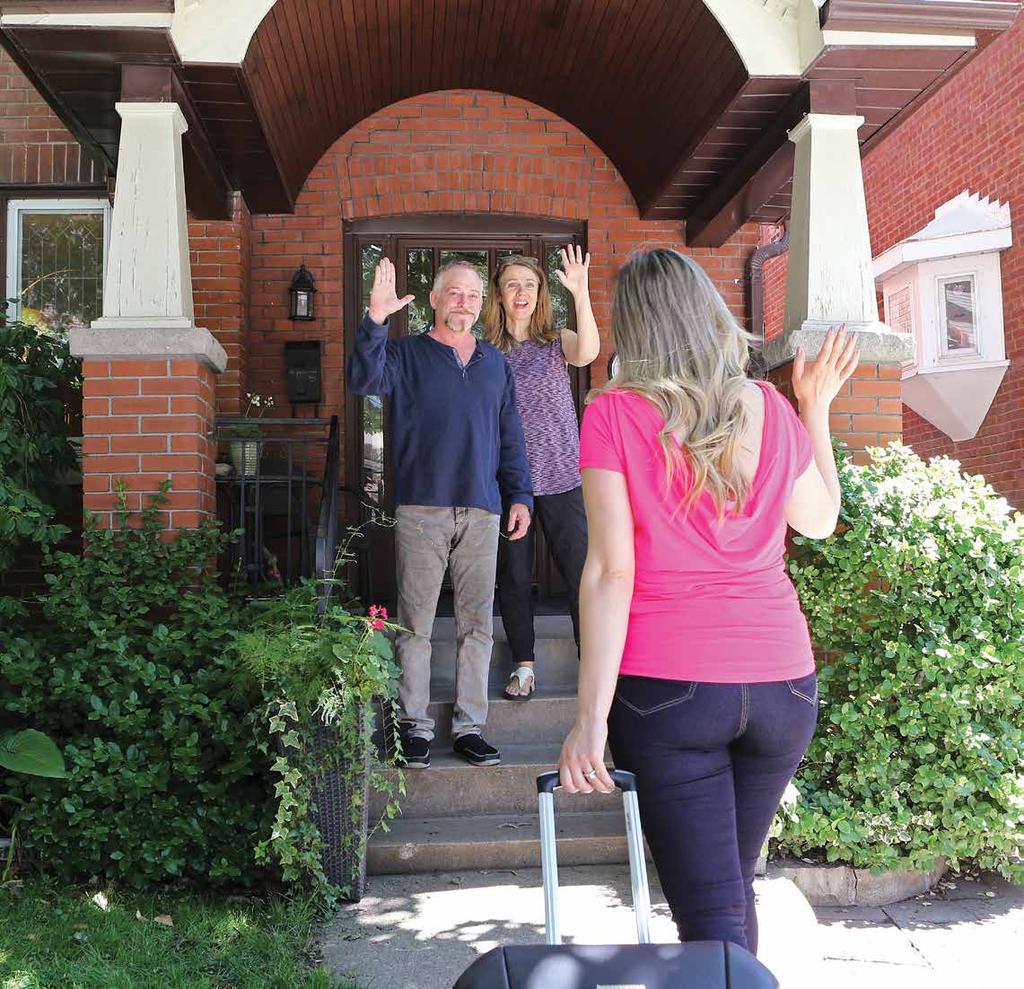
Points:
[(696, 662)]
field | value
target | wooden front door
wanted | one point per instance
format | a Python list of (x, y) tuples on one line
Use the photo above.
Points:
[(418, 246)]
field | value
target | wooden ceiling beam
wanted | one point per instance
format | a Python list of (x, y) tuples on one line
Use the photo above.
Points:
[(766, 167), (209, 191), (964, 15)]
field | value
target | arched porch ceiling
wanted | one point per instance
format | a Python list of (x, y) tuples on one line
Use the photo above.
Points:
[(644, 80), (691, 99)]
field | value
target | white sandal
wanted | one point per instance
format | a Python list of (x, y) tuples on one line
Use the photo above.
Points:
[(522, 674)]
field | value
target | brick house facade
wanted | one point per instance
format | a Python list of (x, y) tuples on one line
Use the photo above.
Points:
[(969, 135), (456, 152)]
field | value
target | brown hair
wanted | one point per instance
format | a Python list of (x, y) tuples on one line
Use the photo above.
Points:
[(496, 329)]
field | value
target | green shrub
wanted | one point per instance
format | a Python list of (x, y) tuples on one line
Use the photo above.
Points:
[(919, 602), (36, 371), (132, 667)]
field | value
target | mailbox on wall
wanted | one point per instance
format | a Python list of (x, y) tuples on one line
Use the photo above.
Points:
[(302, 360)]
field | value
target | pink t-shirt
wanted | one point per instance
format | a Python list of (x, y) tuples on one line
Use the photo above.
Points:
[(711, 600)]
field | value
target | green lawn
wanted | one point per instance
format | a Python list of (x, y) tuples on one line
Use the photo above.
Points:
[(54, 938)]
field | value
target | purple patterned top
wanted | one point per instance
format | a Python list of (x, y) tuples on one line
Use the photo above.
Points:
[(544, 399)]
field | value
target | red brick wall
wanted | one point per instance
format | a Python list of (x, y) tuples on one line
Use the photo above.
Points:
[(456, 150), (35, 147), (970, 135), (220, 253), (146, 422)]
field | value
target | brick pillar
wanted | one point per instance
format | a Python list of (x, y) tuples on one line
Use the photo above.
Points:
[(149, 373), (867, 412), (146, 422)]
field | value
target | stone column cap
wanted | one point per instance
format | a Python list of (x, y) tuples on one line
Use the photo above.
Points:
[(878, 344), (142, 342)]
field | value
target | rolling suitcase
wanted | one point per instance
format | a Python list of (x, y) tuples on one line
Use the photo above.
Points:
[(693, 965)]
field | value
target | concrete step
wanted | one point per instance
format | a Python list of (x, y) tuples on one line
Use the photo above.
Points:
[(501, 841), (544, 627), (452, 786), (546, 717)]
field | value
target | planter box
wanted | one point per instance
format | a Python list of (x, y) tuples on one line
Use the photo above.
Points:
[(845, 886)]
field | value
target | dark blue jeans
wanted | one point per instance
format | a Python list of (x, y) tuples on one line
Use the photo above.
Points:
[(712, 761)]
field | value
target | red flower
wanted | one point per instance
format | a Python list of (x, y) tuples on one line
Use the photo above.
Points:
[(376, 624), (378, 611)]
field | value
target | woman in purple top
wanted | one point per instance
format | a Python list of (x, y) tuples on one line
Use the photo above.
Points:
[(518, 321)]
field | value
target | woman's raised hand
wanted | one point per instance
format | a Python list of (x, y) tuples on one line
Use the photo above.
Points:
[(575, 269), (816, 385), (383, 299)]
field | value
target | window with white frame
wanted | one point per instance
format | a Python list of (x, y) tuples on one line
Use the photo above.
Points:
[(56, 250), (957, 324), (943, 284)]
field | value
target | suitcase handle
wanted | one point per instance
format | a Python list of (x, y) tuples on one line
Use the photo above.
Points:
[(549, 782)]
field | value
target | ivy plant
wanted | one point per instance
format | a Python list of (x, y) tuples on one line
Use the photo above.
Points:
[(324, 671), (918, 604)]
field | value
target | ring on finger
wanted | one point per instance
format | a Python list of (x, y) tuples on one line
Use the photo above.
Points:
[(591, 775)]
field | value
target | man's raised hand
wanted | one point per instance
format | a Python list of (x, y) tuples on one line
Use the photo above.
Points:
[(383, 299)]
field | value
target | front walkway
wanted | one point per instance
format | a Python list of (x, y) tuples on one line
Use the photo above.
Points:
[(957, 936)]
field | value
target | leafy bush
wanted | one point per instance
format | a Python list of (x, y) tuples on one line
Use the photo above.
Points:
[(133, 668), (919, 602), (35, 373), (322, 673)]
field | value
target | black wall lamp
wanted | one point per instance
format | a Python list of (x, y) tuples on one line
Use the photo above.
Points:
[(302, 291)]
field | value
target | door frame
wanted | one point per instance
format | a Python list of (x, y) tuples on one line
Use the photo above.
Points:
[(541, 232)]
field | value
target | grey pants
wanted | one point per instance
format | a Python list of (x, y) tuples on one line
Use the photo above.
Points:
[(429, 540)]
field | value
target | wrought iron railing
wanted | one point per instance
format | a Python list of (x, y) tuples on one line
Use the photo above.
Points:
[(275, 486)]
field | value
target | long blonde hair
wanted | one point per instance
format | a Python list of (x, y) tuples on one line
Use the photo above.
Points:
[(681, 349), (496, 328)]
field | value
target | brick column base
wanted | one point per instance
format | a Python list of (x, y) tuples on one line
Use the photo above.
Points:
[(146, 422), (867, 411)]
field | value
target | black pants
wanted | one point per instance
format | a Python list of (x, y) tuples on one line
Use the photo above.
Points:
[(565, 527), (712, 761)]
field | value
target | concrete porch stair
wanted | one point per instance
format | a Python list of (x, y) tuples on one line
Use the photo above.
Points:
[(458, 816)]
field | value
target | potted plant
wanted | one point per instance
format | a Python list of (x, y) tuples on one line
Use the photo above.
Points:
[(245, 445), (325, 671)]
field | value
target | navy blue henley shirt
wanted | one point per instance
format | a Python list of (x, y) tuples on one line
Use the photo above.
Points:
[(456, 436)]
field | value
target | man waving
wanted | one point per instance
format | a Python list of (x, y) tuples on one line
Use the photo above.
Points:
[(458, 454)]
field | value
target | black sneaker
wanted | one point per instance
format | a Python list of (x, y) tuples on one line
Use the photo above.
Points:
[(415, 752), (475, 750)]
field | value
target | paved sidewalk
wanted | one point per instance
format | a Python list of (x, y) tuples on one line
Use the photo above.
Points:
[(421, 931), (965, 933)]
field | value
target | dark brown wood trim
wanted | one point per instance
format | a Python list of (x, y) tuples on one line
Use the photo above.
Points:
[(968, 15), (463, 225), (766, 167), (209, 192), (90, 7), (90, 147), (922, 98)]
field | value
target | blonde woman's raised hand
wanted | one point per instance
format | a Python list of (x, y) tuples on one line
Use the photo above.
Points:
[(817, 384), (574, 274), (384, 299)]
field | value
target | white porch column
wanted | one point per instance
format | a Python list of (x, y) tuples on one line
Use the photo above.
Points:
[(148, 279), (831, 278), (148, 372), (147, 286)]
